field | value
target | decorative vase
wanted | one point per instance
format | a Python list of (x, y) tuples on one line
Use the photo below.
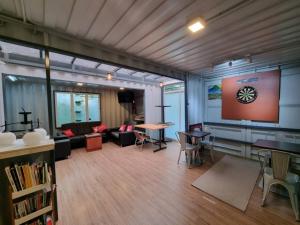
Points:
[(32, 138), (7, 138)]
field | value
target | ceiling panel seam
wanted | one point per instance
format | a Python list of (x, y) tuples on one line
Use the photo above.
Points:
[(118, 20), (95, 18)]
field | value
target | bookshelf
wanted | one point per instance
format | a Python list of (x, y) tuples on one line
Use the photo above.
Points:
[(37, 199), (19, 194), (34, 215)]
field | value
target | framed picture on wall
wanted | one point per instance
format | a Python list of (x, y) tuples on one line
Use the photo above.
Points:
[(214, 92), (252, 97)]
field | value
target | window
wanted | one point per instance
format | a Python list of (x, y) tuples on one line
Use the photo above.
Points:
[(76, 107)]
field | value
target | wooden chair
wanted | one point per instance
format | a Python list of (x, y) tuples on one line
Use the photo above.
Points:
[(186, 147), (209, 142), (140, 138), (279, 174)]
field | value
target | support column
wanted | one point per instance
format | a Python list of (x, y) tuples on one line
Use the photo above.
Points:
[(49, 96), (186, 102)]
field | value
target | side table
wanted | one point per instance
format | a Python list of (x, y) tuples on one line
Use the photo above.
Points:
[(93, 142)]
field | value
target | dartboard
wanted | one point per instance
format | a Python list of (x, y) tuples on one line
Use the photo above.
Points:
[(246, 95)]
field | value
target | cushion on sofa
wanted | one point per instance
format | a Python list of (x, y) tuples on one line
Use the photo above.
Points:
[(95, 129), (129, 128), (115, 134), (122, 128), (102, 128), (69, 133)]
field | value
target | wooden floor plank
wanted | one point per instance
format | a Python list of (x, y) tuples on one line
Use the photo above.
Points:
[(126, 186)]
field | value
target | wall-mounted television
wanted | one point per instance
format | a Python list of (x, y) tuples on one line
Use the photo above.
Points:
[(125, 96)]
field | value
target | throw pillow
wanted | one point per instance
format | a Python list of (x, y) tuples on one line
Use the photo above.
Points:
[(95, 129), (68, 133), (122, 128), (129, 128), (102, 128)]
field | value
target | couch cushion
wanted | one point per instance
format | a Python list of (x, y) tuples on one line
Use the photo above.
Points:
[(77, 141), (69, 133), (115, 134)]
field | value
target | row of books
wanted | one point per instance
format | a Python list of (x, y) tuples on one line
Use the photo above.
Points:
[(44, 220), (23, 176), (31, 204)]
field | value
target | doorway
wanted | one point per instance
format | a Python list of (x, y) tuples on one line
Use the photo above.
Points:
[(174, 97)]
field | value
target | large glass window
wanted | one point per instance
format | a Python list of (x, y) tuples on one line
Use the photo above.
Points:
[(76, 107)]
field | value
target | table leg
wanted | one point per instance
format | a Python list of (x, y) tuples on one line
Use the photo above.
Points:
[(160, 141)]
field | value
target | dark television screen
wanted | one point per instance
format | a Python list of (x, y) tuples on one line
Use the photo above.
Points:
[(125, 96)]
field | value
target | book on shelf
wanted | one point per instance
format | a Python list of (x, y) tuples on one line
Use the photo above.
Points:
[(32, 204), (43, 220), (24, 176)]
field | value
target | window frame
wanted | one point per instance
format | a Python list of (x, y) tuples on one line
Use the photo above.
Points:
[(72, 104)]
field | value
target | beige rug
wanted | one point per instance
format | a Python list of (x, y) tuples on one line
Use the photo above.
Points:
[(231, 180)]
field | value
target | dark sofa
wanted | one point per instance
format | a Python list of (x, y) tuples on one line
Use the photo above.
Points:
[(80, 129), (125, 138)]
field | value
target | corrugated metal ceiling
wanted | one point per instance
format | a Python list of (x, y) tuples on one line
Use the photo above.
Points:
[(156, 29)]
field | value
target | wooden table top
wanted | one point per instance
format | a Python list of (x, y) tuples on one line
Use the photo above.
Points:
[(150, 126), (197, 134), (92, 135), (278, 145)]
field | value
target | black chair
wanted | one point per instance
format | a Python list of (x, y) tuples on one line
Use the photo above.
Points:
[(62, 149)]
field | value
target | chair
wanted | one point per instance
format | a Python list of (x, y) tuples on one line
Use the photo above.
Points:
[(184, 146), (264, 157), (209, 142), (279, 174), (194, 127), (140, 138)]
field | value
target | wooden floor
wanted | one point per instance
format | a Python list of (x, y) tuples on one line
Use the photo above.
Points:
[(125, 186)]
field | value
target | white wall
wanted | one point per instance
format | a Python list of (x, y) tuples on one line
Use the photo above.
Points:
[(289, 105), (203, 110), (152, 93)]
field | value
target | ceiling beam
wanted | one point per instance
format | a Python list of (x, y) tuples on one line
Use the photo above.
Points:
[(38, 63), (42, 37)]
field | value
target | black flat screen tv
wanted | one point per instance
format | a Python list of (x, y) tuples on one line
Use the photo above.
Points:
[(125, 96)]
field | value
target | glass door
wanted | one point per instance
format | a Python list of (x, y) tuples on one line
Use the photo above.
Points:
[(175, 114)]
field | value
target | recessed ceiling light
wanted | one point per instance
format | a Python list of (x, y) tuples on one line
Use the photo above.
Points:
[(196, 25), (121, 88), (79, 84), (109, 76)]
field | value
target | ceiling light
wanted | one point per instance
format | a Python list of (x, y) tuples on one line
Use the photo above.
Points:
[(161, 84), (109, 76), (196, 25), (12, 78), (79, 84), (121, 88)]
